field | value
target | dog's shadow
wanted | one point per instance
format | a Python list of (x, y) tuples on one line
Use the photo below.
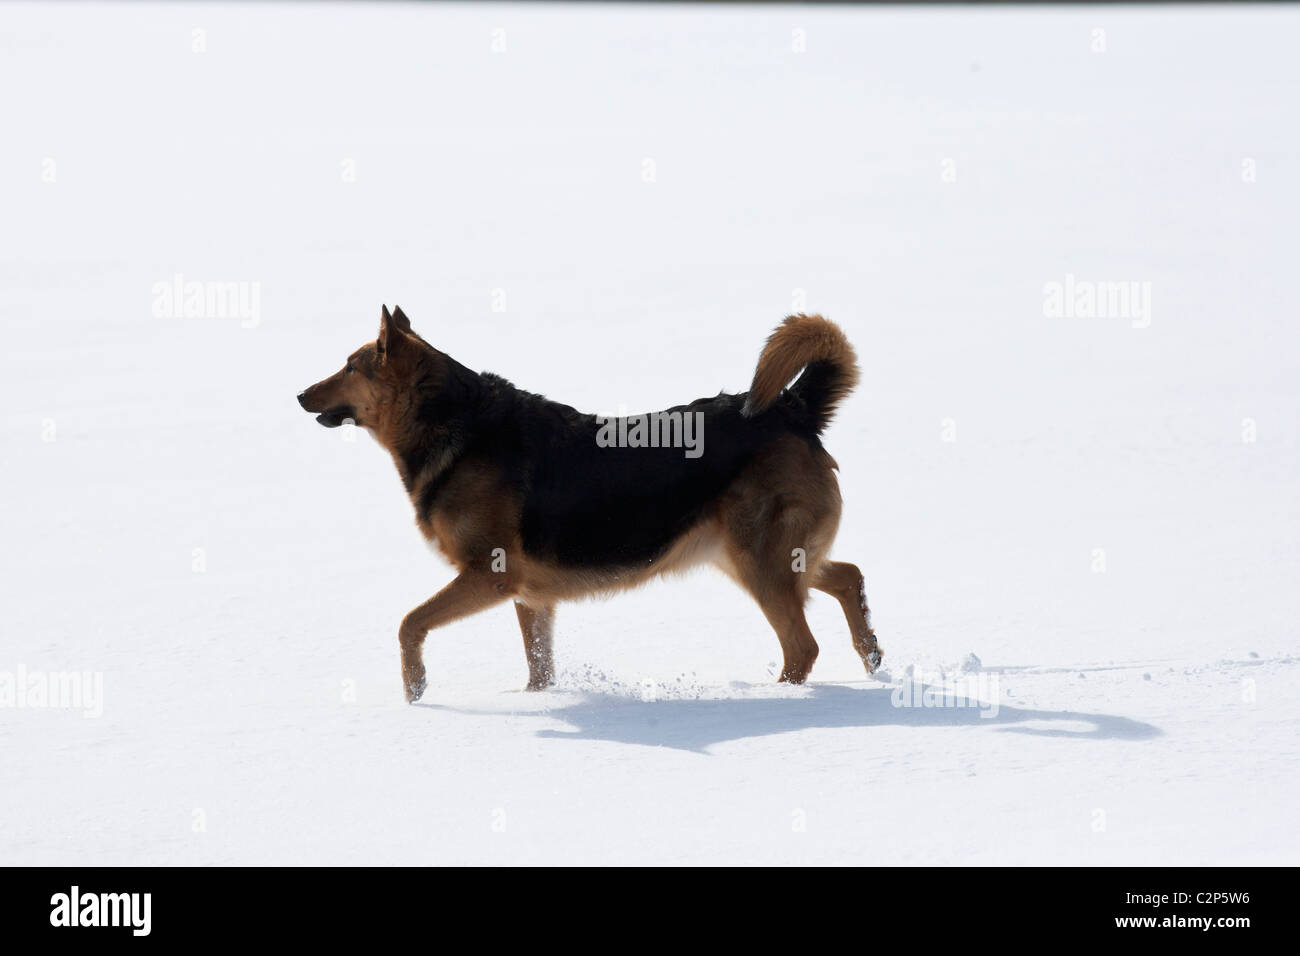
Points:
[(696, 725)]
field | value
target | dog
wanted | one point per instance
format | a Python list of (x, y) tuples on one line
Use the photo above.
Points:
[(533, 501)]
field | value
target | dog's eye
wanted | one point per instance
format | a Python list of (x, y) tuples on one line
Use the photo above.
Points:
[(349, 369)]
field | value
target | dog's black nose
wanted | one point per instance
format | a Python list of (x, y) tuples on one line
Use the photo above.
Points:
[(302, 399)]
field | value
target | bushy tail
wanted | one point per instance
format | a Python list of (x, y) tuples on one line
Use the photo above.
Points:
[(820, 348)]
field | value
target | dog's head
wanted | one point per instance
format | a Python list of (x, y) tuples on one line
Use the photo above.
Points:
[(374, 377)]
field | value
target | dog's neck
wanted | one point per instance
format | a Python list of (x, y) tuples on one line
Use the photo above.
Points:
[(430, 427)]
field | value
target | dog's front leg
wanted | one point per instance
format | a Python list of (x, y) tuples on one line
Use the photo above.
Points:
[(470, 592), (537, 625)]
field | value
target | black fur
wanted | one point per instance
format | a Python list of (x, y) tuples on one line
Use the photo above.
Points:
[(818, 390), (584, 505)]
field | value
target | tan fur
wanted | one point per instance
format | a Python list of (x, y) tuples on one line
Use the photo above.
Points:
[(798, 340)]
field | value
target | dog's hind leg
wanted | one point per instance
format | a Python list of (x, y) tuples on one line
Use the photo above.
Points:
[(781, 599), (845, 583), (469, 592), (784, 611), (537, 626)]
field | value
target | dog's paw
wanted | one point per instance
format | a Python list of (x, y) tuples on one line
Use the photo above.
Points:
[(873, 660), (415, 691)]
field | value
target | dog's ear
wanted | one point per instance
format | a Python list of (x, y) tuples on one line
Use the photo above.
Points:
[(392, 333), (400, 319)]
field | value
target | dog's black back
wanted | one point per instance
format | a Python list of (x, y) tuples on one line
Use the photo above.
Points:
[(584, 505)]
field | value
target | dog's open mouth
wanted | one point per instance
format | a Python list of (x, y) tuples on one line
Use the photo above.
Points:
[(335, 417)]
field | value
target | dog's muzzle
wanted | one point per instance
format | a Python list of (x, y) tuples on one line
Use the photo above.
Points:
[(331, 417)]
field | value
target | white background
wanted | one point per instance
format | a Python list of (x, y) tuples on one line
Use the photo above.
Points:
[(253, 713)]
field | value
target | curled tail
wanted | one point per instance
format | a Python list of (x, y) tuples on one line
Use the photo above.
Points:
[(820, 348)]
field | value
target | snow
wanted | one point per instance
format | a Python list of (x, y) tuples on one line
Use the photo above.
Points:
[(1068, 510)]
